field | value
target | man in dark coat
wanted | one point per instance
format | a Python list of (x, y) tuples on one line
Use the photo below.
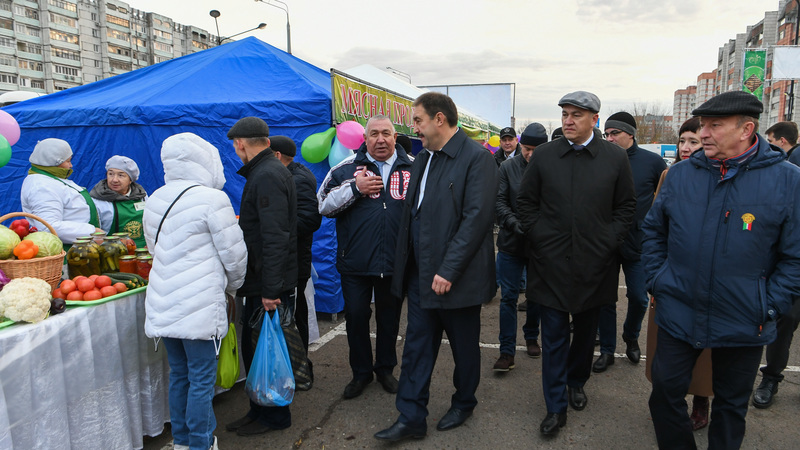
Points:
[(445, 261), (576, 203), (509, 146), (268, 218), (365, 194), (308, 221), (647, 168)]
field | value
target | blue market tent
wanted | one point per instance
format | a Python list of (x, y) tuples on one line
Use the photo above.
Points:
[(204, 93)]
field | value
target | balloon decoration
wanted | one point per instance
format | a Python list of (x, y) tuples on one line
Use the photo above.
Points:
[(9, 128), (338, 153), (5, 151), (316, 147), (494, 141), (350, 134)]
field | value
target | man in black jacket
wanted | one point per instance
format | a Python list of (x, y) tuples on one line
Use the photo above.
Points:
[(365, 194), (268, 218), (576, 202), (509, 146), (445, 261), (512, 259), (647, 168)]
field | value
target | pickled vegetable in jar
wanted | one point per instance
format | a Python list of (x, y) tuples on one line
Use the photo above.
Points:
[(128, 264), (110, 251), (142, 251), (143, 266), (125, 239), (83, 259)]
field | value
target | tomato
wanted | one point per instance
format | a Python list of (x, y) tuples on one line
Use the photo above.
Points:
[(93, 294), (93, 277), (78, 278), (85, 285), (75, 295), (68, 286), (58, 294), (102, 281), (120, 287), (108, 291)]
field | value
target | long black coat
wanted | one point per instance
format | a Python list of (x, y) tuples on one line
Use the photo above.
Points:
[(455, 225), (508, 240), (576, 208), (308, 218)]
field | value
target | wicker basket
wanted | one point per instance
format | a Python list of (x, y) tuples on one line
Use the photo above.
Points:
[(47, 268)]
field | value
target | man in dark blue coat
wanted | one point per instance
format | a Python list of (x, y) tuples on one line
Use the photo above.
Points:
[(445, 261), (365, 194), (722, 256)]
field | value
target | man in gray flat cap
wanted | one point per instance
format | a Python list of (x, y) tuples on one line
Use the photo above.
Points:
[(576, 202), (721, 252)]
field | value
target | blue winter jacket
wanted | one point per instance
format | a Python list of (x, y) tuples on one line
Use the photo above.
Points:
[(722, 258)]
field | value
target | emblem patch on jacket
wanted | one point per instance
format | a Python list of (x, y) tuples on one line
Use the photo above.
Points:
[(747, 222)]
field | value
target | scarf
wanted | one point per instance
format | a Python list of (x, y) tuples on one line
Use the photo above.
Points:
[(56, 171), (101, 191)]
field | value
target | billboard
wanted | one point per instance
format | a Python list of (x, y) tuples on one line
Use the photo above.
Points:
[(786, 63), (493, 102), (358, 100)]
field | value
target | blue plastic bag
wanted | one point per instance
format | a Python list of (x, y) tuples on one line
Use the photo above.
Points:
[(271, 381)]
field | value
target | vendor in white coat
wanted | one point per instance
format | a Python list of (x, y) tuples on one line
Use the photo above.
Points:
[(199, 257), (48, 193)]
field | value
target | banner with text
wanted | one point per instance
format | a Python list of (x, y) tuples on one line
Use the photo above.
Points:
[(755, 63), (357, 100)]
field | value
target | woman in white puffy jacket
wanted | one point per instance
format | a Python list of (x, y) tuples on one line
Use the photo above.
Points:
[(199, 256)]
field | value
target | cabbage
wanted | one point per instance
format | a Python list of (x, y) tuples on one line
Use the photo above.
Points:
[(8, 240), (49, 244)]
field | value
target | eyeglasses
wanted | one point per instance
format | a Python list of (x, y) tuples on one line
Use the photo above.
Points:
[(612, 133)]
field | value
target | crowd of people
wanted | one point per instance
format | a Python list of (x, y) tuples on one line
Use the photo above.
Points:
[(706, 246)]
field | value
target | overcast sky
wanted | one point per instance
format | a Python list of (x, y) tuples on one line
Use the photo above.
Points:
[(624, 51)]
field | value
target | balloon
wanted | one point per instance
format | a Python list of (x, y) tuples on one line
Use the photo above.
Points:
[(494, 141), (338, 153), (316, 147), (350, 134), (493, 149), (5, 151), (9, 128)]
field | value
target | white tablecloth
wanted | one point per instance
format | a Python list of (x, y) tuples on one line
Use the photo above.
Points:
[(85, 379)]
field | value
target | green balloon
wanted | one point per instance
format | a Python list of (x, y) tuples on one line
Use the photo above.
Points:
[(317, 146), (5, 151)]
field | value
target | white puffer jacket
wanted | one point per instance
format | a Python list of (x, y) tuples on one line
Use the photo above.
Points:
[(200, 252)]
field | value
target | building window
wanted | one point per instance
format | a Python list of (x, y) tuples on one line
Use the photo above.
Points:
[(25, 29), (30, 65), (140, 42), (64, 5), (63, 37), (94, 17), (138, 27), (159, 59), (8, 24), (59, 87), (26, 12), (63, 20), (66, 54), (5, 5), (5, 78), (119, 65), (162, 34), (200, 45), (29, 48), (111, 6), (37, 84), (162, 47), (6, 60), (116, 34), (119, 50), (118, 20), (66, 70), (6, 42)]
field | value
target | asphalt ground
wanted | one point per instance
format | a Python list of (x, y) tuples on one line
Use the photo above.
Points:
[(510, 409)]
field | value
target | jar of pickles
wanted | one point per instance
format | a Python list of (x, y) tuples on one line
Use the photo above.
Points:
[(126, 240), (128, 264), (83, 259), (110, 251), (143, 266), (142, 251), (98, 237)]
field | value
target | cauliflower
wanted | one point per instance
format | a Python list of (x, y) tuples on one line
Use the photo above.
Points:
[(25, 300)]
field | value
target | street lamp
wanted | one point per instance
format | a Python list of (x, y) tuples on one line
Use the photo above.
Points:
[(214, 13), (284, 8)]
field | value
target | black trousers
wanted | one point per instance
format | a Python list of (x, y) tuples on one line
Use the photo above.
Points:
[(301, 311), (357, 291), (566, 363), (276, 417), (734, 370), (778, 351)]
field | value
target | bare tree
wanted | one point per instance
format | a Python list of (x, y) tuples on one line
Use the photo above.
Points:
[(653, 125)]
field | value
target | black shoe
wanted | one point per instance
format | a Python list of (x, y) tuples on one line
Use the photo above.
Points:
[(577, 398), (632, 351), (765, 393), (356, 387), (602, 363), (552, 423), (400, 431), (253, 428), (236, 424), (453, 419), (389, 382)]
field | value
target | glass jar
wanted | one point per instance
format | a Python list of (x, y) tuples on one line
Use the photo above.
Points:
[(143, 266), (83, 259), (142, 251), (126, 240), (128, 264), (98, 237), (110, 251)]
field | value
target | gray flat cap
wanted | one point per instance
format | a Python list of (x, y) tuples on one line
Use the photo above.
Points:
[(731, 103), (249, 127), (581, 99)]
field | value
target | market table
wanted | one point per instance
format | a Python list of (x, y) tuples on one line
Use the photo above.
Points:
[(87, 378)]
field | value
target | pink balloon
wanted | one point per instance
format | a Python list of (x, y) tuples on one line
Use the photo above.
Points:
[(350, 134), (9, 127)]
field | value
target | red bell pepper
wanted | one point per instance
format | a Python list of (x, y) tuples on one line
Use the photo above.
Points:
[(21, 227)]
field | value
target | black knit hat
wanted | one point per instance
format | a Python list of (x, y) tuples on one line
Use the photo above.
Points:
[(622, 121), (284, 145), (557, 133), (249, 127), (731, 103), (534, 135)]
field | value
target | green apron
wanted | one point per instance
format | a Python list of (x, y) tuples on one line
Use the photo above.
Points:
[(128, 219), (93, 217)]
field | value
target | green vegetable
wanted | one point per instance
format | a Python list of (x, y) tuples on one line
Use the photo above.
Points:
[(49, 244), (8, 240)]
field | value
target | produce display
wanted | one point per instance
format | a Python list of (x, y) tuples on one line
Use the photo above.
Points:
[(96, 287), (27, 243), (25, 300), (83, 258), (8, 241)]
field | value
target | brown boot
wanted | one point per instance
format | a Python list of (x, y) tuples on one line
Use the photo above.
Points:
[(699, 412)]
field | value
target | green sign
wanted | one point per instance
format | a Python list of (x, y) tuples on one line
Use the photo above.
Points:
[(357, 100), (755, 63)]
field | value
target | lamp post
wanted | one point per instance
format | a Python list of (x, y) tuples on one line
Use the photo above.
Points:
[(284, 8), (214, 13), (790, 116), (400, 72)]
